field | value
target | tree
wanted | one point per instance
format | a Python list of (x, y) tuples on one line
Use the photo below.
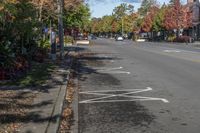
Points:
[(94, 25), (18, 21), (146, 4), (115, 27), (137, 23), (122, 10), (48, 8), (158, 20), (129, 22), (177, 17), (77, 17), (147, 24)]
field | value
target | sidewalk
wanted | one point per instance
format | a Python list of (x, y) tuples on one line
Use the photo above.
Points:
[(44, 115), (35, 109)]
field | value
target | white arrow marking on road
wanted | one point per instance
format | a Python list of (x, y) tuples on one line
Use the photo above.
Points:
[(125, 95)]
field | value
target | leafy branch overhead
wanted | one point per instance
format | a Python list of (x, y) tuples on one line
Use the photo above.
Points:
[(23, 22)]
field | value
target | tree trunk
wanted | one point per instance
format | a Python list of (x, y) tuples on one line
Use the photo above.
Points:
[(40, 10), (60, 27)]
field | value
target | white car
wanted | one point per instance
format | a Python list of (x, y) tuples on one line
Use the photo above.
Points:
[(119, 38)]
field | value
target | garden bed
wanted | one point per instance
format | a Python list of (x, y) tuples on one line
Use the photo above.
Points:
[(37, 75)]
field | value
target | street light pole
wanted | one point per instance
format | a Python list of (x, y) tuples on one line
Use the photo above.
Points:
[(60, 27)]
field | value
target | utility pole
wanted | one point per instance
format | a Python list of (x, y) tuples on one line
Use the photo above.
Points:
[(122, 27), (60, 27), (50, 27)]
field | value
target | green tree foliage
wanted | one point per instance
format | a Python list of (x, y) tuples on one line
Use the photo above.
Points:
[(113, 23), (146, 4), (107, 23), (22, 22), (18, 21), (158, 22), (129, 22), (150, 17), (104, 24), (77, 17), (122, 10)]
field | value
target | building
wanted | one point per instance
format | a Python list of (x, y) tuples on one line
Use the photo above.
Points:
[(194, 6)]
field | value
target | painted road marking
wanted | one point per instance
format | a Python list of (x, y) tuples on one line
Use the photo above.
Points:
[(108, 69), (107, 94), (115, 70), (179, 50), (172, 51)]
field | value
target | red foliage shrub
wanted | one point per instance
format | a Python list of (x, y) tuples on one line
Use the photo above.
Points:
[(183, 39)]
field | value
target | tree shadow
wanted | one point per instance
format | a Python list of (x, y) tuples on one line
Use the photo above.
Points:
[(115, 116), (13, 104), (106, 116), (86, 61)]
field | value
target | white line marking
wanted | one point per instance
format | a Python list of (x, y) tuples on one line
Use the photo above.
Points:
[(116, 90), (108, 69), (111, 101), (181, 50), (126, 95), (147, 98), (114, 95), (194, 52), (113, 72), (172, 51)]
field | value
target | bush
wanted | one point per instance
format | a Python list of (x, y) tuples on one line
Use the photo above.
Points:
[(68, 39), (171, 38), (183, 39), (135, 37), (40, 54), (45, 44)]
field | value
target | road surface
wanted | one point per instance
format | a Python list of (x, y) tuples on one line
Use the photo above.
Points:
[(128, 87)]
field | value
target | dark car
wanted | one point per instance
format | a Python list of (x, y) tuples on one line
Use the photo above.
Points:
[(93, 37)]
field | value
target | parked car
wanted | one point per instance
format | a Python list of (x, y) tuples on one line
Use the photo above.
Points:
[(79, 37), (85, 37), (93, 37), (119, 38)]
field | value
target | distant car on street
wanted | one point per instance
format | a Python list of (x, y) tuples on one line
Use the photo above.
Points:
[(93, 37), (119, 38), (85, 37), (82, 39)]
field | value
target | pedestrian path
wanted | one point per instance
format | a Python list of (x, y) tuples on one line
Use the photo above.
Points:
[(47, 106)]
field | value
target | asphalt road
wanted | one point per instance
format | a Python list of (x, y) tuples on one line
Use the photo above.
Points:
[(128, 87)]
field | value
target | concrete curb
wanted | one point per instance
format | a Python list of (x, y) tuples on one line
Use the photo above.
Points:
[(54, 124), (74, 127)]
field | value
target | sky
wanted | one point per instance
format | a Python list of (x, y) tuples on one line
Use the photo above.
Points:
[(100, 8)]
